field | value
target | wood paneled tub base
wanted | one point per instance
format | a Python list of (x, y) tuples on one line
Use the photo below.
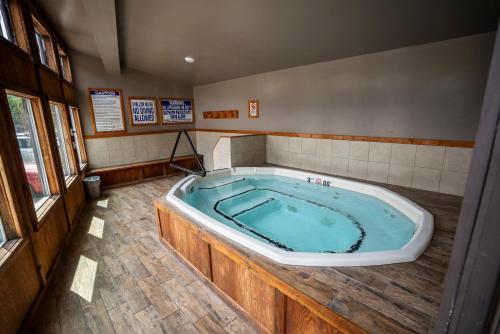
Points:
[(273, 305)]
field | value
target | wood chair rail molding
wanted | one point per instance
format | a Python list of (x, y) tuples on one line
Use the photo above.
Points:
[(395, 140)]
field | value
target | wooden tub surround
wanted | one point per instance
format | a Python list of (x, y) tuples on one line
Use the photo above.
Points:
[(396, 298)]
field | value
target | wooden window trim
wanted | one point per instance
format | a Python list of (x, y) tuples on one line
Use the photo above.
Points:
[(64, 62), (150, 98), (79, 136), (20, 32), (55, 187), (49, 46), (45, 210), (72, 159)]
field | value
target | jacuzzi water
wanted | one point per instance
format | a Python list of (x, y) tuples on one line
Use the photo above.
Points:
[(301, 216)]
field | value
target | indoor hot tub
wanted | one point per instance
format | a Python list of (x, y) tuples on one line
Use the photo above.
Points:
[(302, 218)]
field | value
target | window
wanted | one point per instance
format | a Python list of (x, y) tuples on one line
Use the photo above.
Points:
[(61, 138), (45, 46), (29, 145), (3, 237), (6, 27), (77, 134), (64, 62), (42, 50)]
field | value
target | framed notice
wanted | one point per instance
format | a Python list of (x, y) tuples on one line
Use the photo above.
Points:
[(143, 110), (177, 110), (106, 108), (253, 108)]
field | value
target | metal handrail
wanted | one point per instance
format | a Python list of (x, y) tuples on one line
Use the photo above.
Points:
[(201, 173)]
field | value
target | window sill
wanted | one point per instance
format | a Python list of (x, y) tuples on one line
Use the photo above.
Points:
[(15, 47), (43, 212), (83, 167), (51, 71), (70, 179), (9, 249)]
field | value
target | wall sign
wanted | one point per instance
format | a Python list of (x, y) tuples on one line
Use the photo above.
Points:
[(177, 110), (221, 114), (143, 110), (253, 108), (106, 108)]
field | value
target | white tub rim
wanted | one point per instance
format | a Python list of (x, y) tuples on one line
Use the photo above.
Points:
[(423, 220)]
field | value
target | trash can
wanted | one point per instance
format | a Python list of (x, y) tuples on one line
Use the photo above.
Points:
[(93, 186)]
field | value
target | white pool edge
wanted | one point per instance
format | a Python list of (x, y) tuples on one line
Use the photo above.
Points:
[(410, 252)]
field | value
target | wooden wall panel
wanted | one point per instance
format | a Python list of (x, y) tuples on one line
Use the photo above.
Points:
[(51, 84), (20, 73), (69, 93), (48, 240), (19, 286), (189, 244), (153, 171), (75, 199), (246, 288), (133, 173), (299, 320)]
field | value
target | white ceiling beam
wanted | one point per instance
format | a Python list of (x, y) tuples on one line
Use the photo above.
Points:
[(101, 16)]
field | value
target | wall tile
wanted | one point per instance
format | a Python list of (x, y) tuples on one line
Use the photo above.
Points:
[(403, 154), (116, 157), (457, 159), (429, 156), (295, 144), (339, 166), (358, 150), (309, 145), (426, 178), (323, 163), (377, 171), (357, 168), (324, 147), (272, 156), (453, 182), (400, 175), (379, 152), (283, 158), (308, 161), (340, 148), (295, 160), (100, 144)]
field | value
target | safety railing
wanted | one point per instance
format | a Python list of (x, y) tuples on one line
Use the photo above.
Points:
[(201, 172)]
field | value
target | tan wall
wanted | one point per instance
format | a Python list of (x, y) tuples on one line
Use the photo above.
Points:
[(89, 72), (430, 91), (115, 151)]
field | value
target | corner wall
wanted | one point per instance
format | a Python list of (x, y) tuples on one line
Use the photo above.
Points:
[(430, 91), (89, 71)]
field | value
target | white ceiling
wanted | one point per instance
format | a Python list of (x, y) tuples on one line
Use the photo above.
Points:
[(234, 38)]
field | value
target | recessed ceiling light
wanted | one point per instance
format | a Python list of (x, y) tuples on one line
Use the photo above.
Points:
[(189, 59)]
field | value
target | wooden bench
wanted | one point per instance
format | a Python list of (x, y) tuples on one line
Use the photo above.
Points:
[(134, 173)]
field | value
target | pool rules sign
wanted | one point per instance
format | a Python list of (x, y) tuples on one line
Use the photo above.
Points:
[(177, 110), (143, 110)]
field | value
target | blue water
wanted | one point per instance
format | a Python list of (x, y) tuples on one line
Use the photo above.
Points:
[(299, 216)]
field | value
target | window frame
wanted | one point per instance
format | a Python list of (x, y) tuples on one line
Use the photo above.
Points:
[(76, 128), (6, 19), (43, 37), (68, 147), (65, 65), (36, 151), (19, 38), (55, 186)]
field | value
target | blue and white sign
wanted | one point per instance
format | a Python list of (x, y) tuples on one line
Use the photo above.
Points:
[(177, 110), (107, 109), (143, 111)]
